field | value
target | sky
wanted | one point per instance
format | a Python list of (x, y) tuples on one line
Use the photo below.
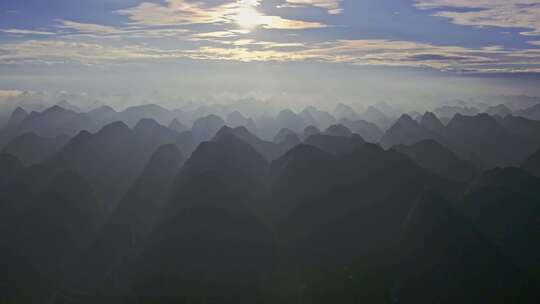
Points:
[(293, 50)]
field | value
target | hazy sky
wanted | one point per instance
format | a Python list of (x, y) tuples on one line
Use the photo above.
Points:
[(320, 49)]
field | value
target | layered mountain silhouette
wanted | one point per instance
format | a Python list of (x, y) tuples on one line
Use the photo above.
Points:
[(206, 127), (286, 136), (484, 138), (368, 131), (10, 167), (499, 110), (270, 150), (532, 112), (33, 149), (177, 126), (112, 158), (321, 119), (434, 157), (287, 119), (343, 111), (103, 115), (211, 244), (374, 115), (431, 122), (532, 164), (52, 122), (306, 178), (49, 228), (337, 145), (406, 131), (311, 130), (502, 204), (205, 204), (236, 119), (445, 260), (126, 232), (18, 116), (338, 130), (451, 111)]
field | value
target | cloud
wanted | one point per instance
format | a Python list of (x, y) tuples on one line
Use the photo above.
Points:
[(175, 12), (397, 53), (93, 44), (90, 28), (73, 29), (276, 22), (498, 13), (370, 52), (380, 52), (436, 57), (182, 12), (255, 43), (58, 52), (332, 6), (217, 34), (14, 31)]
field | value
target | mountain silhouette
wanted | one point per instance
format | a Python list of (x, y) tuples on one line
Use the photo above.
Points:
[(18, 116), (532, 112), (311, 130), (103, 115), (58, 226), (267, 127), (236, 119), (69, 106), (286, 137), (532, 164), (33, 149), (451, 111), (211, 244), (499, 110), (269, 150), (287, 119), (10, 167), (206, 127), (406, 131), (324, 203), (368, 131), (445, 260), (486, 139), (133, 115), (320, 119), (156, 205), (338, 130), (439, 160), (502, 203), (55, 121), (126, 232), (387, 109), (344, 111), (431, 122), (52, 122), (337, 145), (374, 115), (112, 158), (177, 126), (525, 131), (240, 166)]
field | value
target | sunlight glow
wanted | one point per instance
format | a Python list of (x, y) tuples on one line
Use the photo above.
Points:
[(247, 17)]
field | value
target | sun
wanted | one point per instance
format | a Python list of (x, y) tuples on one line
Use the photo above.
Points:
[(247, 17)]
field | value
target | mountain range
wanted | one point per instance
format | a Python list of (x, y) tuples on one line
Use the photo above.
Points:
[(150, 205)]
